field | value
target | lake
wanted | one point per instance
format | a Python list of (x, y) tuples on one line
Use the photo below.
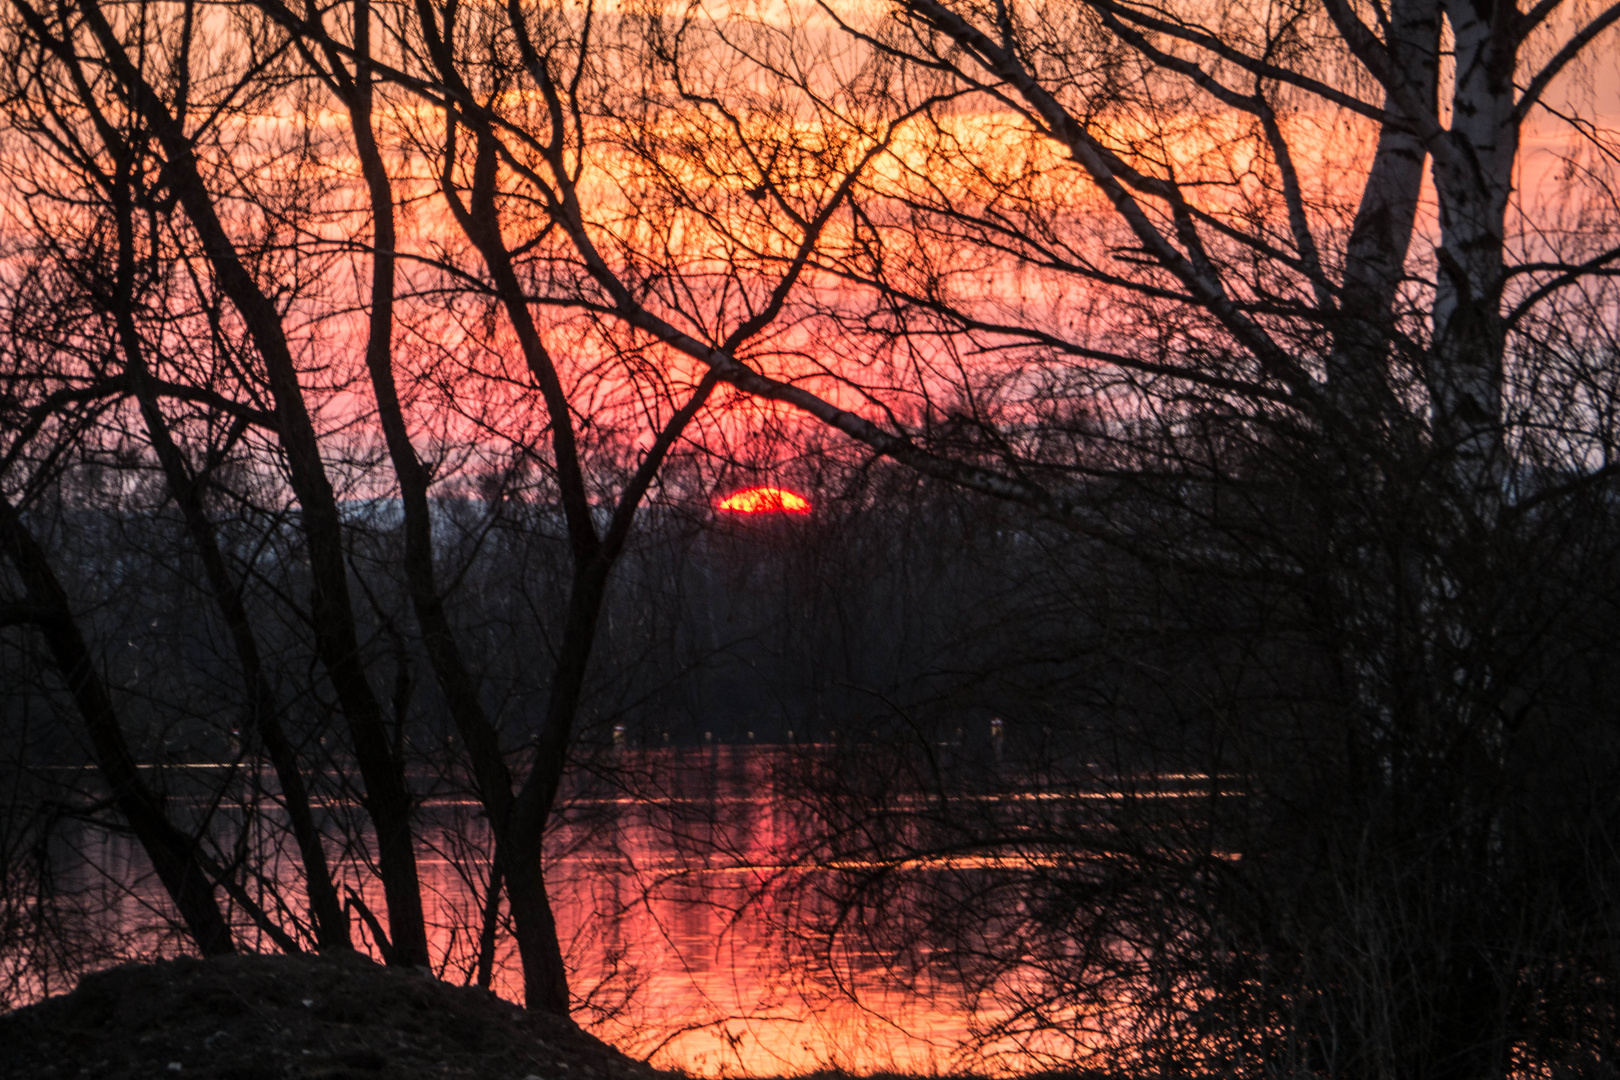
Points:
[(672, 892)]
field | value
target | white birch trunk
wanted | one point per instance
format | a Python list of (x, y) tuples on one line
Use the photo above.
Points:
[(1473, 173)]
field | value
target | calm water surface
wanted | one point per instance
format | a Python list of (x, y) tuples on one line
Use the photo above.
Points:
[(669, 910), (668, 906)]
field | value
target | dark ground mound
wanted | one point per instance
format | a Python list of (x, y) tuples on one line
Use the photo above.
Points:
[(286, 1017)]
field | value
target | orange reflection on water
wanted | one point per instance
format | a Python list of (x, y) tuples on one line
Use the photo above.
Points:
[(670, 895), (671, 911)]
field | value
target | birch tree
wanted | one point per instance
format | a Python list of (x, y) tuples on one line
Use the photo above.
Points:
[(1207, 229)]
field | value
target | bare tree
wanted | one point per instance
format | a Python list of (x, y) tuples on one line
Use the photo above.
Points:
[(82, 59), (1136, 279)]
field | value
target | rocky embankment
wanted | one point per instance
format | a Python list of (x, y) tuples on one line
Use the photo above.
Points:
[(293, 1018)]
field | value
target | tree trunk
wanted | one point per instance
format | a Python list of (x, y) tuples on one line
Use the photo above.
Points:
[(173, 854), (1473, 177), (522, 852), (457, 684), (331, 927), (388, 799), (1358, 366)]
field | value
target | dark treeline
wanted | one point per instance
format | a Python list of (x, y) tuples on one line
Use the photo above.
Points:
[(891, 611), (890, 599)]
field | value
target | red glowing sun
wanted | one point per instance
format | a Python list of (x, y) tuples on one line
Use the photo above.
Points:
[(765, 500)]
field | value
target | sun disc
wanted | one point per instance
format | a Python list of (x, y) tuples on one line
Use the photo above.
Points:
[(765, 500)]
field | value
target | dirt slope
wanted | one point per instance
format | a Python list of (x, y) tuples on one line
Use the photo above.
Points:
[(292, 1018)]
